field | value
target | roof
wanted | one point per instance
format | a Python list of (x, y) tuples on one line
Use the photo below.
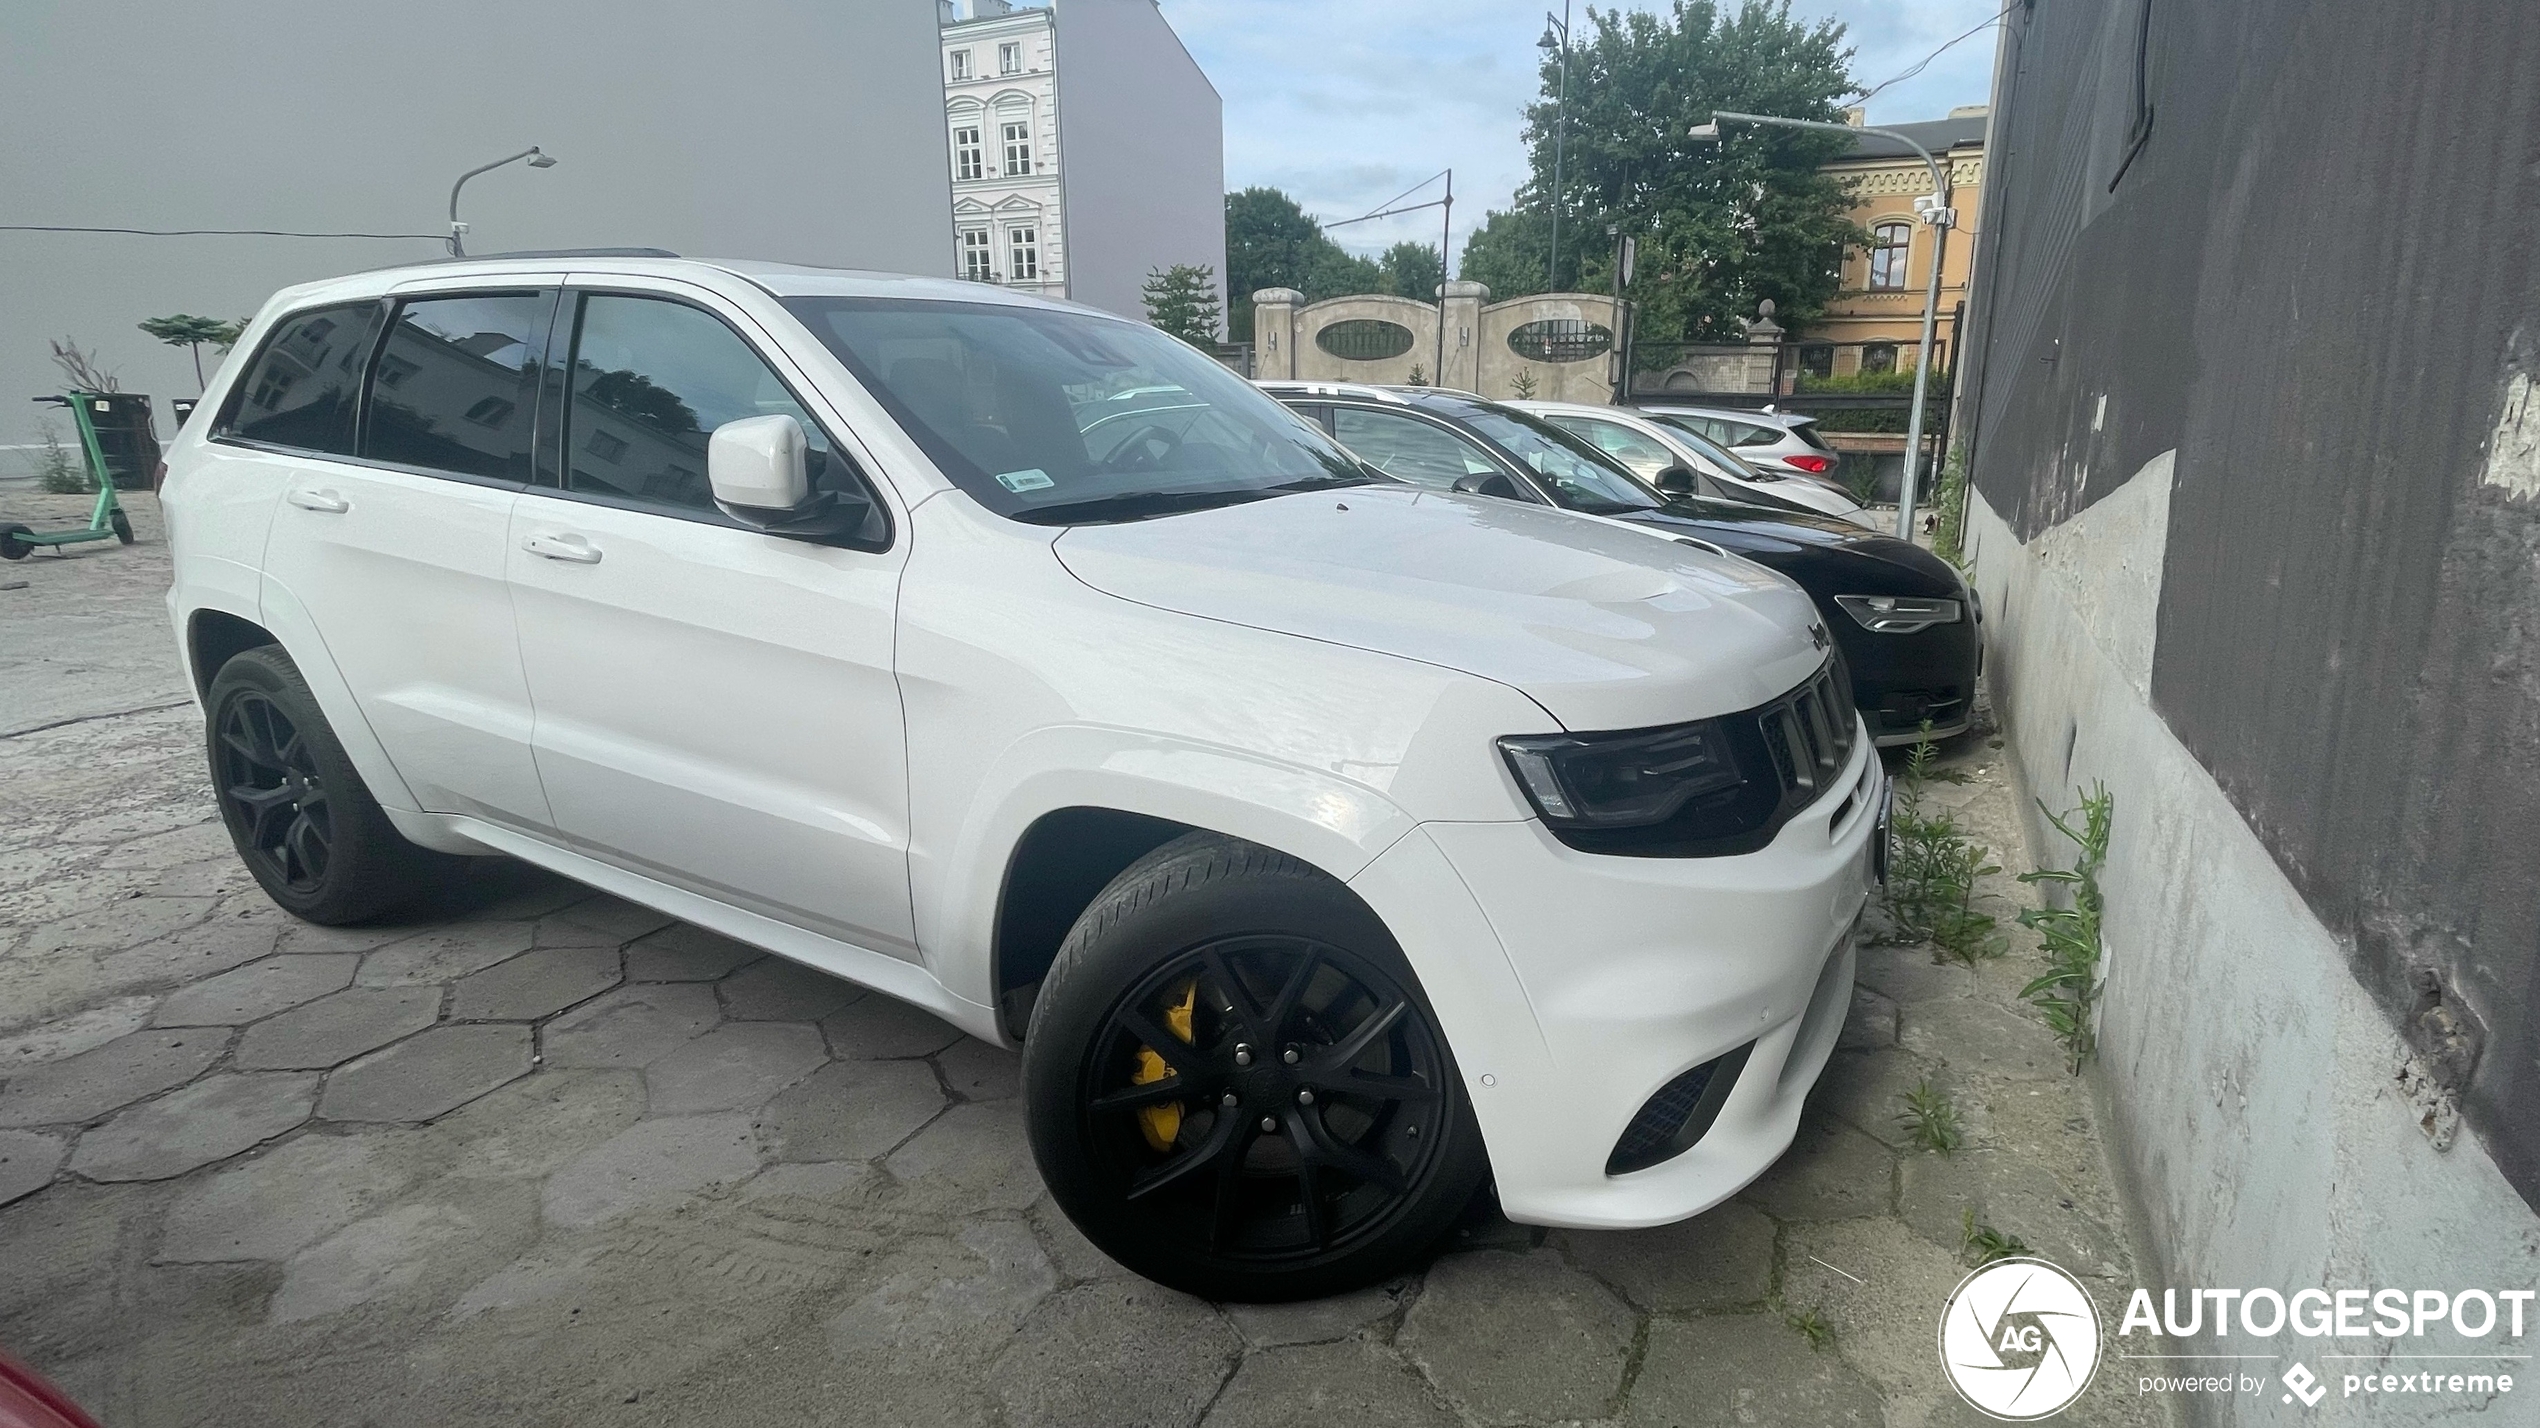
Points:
[(1937, 135), (779, 279)]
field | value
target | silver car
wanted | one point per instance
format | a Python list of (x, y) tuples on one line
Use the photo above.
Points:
[(1772, 441), (1650, 445)]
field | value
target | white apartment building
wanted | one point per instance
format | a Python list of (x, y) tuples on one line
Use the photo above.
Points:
[(1001, 103), (1085, 146)]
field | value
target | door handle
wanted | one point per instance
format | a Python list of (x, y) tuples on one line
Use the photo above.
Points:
[(326, 501), (572, 548)]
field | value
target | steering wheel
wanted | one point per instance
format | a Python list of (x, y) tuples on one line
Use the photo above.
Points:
[(1144, 449)]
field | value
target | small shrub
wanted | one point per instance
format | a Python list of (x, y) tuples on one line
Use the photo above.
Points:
[(56, 472), (1813, 1327), (1981, 1245), (1931, 879), (1930, 1120), (1949, 505), (2067, 995), (1418, 377), (1522, 386)]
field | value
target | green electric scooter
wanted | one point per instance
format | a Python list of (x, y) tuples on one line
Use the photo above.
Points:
[(108, 519)]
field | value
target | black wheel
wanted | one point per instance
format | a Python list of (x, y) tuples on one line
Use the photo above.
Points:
[(301, 818), (11, 547), (122, 525), (1234, 1086)]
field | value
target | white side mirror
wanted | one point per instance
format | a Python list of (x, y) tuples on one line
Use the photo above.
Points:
[(759, 464)]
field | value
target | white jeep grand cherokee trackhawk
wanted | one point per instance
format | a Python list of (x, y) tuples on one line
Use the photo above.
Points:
[(1328, 844)]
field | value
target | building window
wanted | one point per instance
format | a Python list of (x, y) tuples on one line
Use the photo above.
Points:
[(607, 446), (394, 370), (1010, 59), (1023, 253), (961, 64), (1018, 149), (977, 263), (1878, 357), (1888, 243), (1817, 359), (490, 412), (970, 158)]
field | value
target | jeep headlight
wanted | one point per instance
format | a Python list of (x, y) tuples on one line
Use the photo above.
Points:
[(1624, 780)]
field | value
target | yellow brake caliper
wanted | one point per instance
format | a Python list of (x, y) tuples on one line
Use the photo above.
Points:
[(1159, 1124)]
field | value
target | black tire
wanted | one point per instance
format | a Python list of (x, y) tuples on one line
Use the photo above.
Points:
[(12, 548), (1375, 1150), (300, 816), (122, 525)]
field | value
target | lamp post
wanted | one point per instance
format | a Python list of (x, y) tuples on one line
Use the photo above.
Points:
[(1939, 215), (458, 230), (1556, 36)]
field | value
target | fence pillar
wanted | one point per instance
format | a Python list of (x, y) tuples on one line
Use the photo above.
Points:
[(1274, 333), (1763, 351), (1462, 365)]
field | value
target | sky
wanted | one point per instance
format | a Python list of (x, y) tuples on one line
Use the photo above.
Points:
[(1345, 103)]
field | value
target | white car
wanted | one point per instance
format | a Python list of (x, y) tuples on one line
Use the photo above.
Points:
[(1326, 843), (1768, 440), (1651, 447)]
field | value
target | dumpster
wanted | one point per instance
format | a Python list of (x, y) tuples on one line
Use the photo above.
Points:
[(125, 436)]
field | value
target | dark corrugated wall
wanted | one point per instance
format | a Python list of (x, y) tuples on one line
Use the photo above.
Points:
[(2315, 282)]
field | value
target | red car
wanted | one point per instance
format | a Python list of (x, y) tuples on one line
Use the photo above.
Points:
[(27, 1401)]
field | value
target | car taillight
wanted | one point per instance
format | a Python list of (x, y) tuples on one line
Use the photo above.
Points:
[(1813, 465)]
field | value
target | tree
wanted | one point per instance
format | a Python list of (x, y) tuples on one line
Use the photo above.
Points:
[(1182, 300), (1272, 242), (190, 332), (82, 369), (1721, 226), (1507, 252), (1412, 270)]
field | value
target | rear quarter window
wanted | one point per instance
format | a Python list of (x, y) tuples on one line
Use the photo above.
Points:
[(298, 392)]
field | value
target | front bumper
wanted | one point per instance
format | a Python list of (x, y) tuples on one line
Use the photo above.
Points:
[(1632, 971)]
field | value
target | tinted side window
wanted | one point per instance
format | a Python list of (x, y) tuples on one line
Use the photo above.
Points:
[(1742, 434), (1407, 448), (299, 391), (456, 386), (652, 379)]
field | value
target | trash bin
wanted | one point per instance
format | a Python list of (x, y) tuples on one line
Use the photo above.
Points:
[(125, 436)]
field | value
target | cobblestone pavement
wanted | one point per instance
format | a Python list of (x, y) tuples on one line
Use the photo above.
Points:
[(535, 1155)]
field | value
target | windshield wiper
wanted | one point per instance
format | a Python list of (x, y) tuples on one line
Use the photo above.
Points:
[(1134, 506)]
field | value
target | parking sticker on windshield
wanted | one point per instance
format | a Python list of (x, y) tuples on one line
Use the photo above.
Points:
[(1031, 478)]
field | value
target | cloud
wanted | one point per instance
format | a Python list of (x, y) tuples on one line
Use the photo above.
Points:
[(1344, 103)]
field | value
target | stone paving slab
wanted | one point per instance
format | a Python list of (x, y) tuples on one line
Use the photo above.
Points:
[(273, 1205), (779, 990), (1747, 1369), (853, 1110), (535, 984), (444, 956), (27, 1163), (735, 1066), (1520, 1338), (118, 1073), (682, 953), (334, 1029), (632, 1026), (879, 1028), (258, 989), (213, 1119), (436, 1072)]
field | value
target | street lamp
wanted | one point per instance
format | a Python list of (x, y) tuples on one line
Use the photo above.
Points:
[(1556, 36), (458, 230), (1934, 211)]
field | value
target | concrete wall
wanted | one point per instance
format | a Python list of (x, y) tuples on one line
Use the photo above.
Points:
[(2258, 525), (801, 130), (1142, 153), (1476, 355)]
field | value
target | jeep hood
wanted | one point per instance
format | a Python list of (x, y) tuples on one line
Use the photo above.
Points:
[(1605, 626)]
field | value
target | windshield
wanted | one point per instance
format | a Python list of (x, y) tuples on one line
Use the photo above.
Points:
[(1581, 477), (1065, 418)]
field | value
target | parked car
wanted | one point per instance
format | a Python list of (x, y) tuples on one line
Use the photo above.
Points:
[(1327, 843), (1771, 441), (1909, 627), (27, 1400), (1651, 447)]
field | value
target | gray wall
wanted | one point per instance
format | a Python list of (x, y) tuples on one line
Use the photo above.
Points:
[(2259, 521), (1141, 152), (799, 130)]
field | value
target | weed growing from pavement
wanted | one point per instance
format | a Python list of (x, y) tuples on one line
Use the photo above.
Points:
[(1931, 879), (55, 470), (1813, 1327), (1949, 509), (1930, 1119), (1981, 1245), (2069, 991)]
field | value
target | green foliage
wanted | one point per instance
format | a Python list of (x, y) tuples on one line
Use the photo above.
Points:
[(1950, 502), (191, 333), (2069, 991), (1931, 880), (56, 471), (1860, 476), (1272, 242), (1930, 1119), (1522, 386), (1411, 270), (1981, 1245), (1721, 226), (1863, 419), (1898, 381), (1182, 300), (1813, 1327), (1418, 378)]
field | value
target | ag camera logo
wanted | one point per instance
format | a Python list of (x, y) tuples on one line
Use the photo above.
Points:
[(2019, 1340)]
